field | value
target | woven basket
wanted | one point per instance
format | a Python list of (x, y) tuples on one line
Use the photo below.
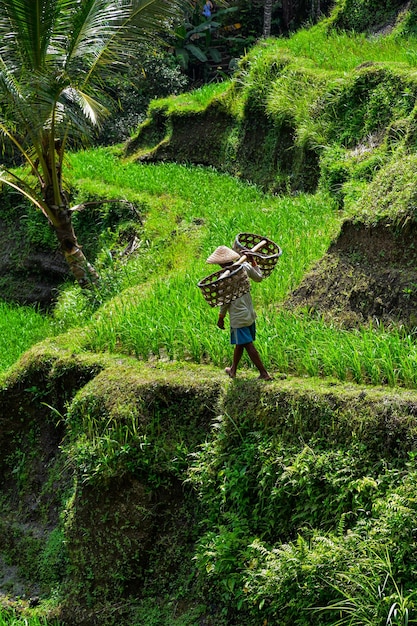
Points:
[(266, 256), (218, 291)]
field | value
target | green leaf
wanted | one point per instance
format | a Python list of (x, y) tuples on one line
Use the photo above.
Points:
[(199, 54), (215, 55), (183, 57)]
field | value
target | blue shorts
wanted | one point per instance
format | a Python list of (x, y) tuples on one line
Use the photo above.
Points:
[(240, 336)]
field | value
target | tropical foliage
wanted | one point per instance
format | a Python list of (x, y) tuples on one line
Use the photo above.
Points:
[(56, 56), (160, 492)]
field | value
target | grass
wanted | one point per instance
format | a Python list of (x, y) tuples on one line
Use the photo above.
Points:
[(20, 328), (342, 51), (156, 309), (190, 101), (192, 210), (152, 307), (304, 81), (8, 618)]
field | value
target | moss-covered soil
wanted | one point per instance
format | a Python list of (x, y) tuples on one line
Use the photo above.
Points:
[(95, 452), (368, 275)]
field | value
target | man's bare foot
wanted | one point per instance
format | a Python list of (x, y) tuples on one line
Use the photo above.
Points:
[(266, 377), (229, 372)]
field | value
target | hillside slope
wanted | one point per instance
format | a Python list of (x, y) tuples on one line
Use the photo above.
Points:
[(158, 491), (105, 490), (296, 119)]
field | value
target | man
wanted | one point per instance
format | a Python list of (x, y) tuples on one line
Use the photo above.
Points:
[(242, 315)]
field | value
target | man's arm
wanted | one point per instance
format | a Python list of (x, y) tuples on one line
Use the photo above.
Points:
[(222, 314), (253, 270)]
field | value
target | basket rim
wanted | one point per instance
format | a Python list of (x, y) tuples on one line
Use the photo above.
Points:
[(258, 254)]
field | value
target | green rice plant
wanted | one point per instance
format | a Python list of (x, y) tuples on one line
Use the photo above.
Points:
[(20, 328), (324, 84), (293, 95), (343, 51), (150, 305), (195, 100), (304, 345), (12, 618), (230, 207)]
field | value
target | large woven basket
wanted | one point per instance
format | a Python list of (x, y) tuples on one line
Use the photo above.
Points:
[(266, 256), (219, 289)]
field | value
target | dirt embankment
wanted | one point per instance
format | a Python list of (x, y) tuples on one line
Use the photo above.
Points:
[(28, 274), (368, 274), (95, 449)]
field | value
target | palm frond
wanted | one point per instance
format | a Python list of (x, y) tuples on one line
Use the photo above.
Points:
[(92, 110), (26, 28), (90, 29), (26, 191), (55, 56), (4, 131), (148, 15), (141, 20)]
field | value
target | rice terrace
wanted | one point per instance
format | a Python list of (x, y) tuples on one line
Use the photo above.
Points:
[(140, 484)]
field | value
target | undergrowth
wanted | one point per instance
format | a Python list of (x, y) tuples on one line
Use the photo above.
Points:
[(340, 516), (292, 527)]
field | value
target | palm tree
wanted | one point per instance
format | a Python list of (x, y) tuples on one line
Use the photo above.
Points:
[(267, 19), (55, 57)]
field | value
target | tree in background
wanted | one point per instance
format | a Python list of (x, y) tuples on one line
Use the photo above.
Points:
[(204, 45), (278, 17), (56, 57), (296, 12), (267, 18), (153, 72)]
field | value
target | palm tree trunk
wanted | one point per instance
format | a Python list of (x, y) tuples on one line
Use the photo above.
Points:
[(286, 11), (83, 272), (61, 221), (267, 19)]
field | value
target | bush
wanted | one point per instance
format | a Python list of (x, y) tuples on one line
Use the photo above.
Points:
[(365, 15), (153, 74)]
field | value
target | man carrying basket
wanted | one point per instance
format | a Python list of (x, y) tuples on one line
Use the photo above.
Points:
[(242, 315)]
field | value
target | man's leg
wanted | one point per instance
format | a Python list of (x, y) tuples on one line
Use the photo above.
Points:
[(237, 355), (256, 360)]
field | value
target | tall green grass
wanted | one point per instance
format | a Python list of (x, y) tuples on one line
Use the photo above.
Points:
[(300, 80), (151, 306), (192, 210), (8, 618), (158, 311), (20, 328), (194, 100), (342, 51)]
